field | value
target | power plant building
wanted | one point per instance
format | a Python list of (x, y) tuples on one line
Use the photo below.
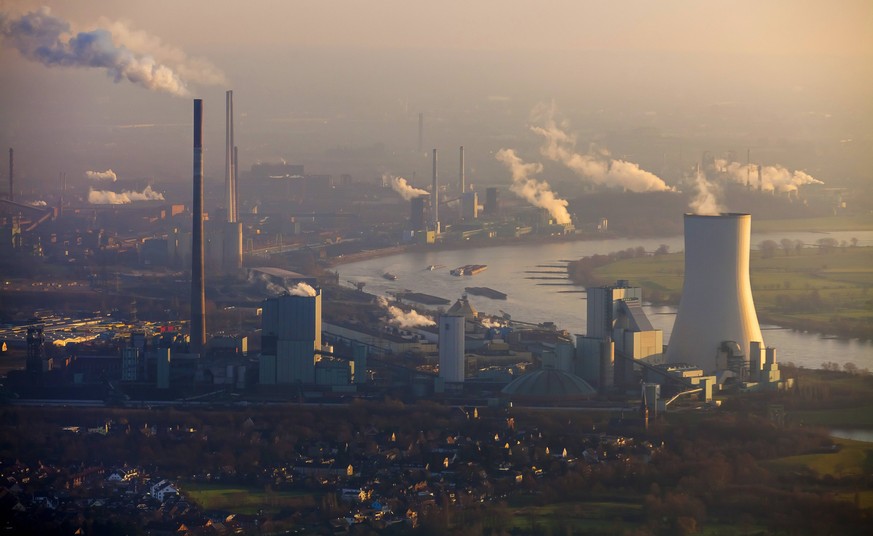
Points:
[(290, 336), (717, 323), (451, 346)]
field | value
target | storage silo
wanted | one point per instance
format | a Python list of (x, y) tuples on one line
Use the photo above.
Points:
[(716, 304), (452, 347)]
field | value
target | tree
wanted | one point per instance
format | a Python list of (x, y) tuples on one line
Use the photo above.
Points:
[(787, 245), (768, 248), (663, 249)]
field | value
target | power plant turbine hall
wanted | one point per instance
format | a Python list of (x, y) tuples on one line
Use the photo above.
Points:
[(716, 305)]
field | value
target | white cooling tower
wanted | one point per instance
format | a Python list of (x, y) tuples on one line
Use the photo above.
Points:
[(716, 303)]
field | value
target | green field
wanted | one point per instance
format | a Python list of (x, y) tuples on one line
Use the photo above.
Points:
[(244, 500), (854, 458), (828, 292), (578, 517), (826, 224)]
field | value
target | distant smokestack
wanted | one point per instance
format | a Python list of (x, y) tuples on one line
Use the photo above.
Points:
[(461, 177), (229, 177), (236, 182), (420, 133), (435, 194), (11, 181), (198, 290)]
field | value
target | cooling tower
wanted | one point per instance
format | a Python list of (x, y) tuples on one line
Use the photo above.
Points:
[(716, 303)]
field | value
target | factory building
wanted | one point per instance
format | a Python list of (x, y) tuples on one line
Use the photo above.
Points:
[(469, 206), (618, 333), (290, 336)]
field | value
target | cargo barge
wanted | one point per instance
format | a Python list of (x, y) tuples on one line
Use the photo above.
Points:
[(487, 292), (469, 269)]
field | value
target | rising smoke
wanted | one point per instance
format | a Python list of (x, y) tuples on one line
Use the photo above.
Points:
[(399, 185), (108, 197), (302, 289), (121, 52), (596, 167), (536, 192), (706, 197), (773, 178), (107, 175), (402, 319)]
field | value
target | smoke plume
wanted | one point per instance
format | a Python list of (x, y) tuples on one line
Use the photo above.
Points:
[(108, 197), (107, 175), (536, 192), (402, 319), (399, 185), (598, 168), (302, 289), (705, 200), (773, 178), (122, 53)]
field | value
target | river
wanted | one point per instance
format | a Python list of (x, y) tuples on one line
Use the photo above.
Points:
[(536, 300)]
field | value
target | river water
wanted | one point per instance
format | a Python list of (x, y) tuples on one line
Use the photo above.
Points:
[(536, 300)]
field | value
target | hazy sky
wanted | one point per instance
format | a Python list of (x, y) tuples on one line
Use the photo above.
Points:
[(314, 76)]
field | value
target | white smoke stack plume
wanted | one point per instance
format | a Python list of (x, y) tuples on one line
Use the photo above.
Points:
[(107, 175), (773, 178), (302, 289), (108, 197), (598, 168), (402, 187), (402, 319), (124, 54), (536, 192), (706, 199)]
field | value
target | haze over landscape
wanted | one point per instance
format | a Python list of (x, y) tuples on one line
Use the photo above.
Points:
[(485, 268), (339, 88)]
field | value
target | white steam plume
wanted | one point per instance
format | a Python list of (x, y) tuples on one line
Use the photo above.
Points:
[(302, 289), (402, 319), (773, 178), (121, 52), (107, 175), (536, 192), (600, 168), (705, 201), (108, 197), (406, 190)]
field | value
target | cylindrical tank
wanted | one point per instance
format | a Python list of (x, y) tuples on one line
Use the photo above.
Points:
[(452, 347), (716, 303)]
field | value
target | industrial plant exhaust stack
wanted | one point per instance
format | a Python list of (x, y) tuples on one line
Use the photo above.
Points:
[(716, 305), (198, 290)]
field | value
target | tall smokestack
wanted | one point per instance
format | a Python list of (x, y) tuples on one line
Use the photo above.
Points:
[(229, 177), (461, 177), (236, 182), (420, 133), (198, 290), (11, 182), (716, 305), (435, 194)]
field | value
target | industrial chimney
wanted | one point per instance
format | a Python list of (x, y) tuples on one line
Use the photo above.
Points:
[(229, 178), (716, 303), (435, 196), (198, 290), (231, 247), (461, 177), (11, 183)]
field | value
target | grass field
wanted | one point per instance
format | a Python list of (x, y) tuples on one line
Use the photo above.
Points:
[(576, 518), (244, 500), (854, 458), (825, 292), (827, 224)]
